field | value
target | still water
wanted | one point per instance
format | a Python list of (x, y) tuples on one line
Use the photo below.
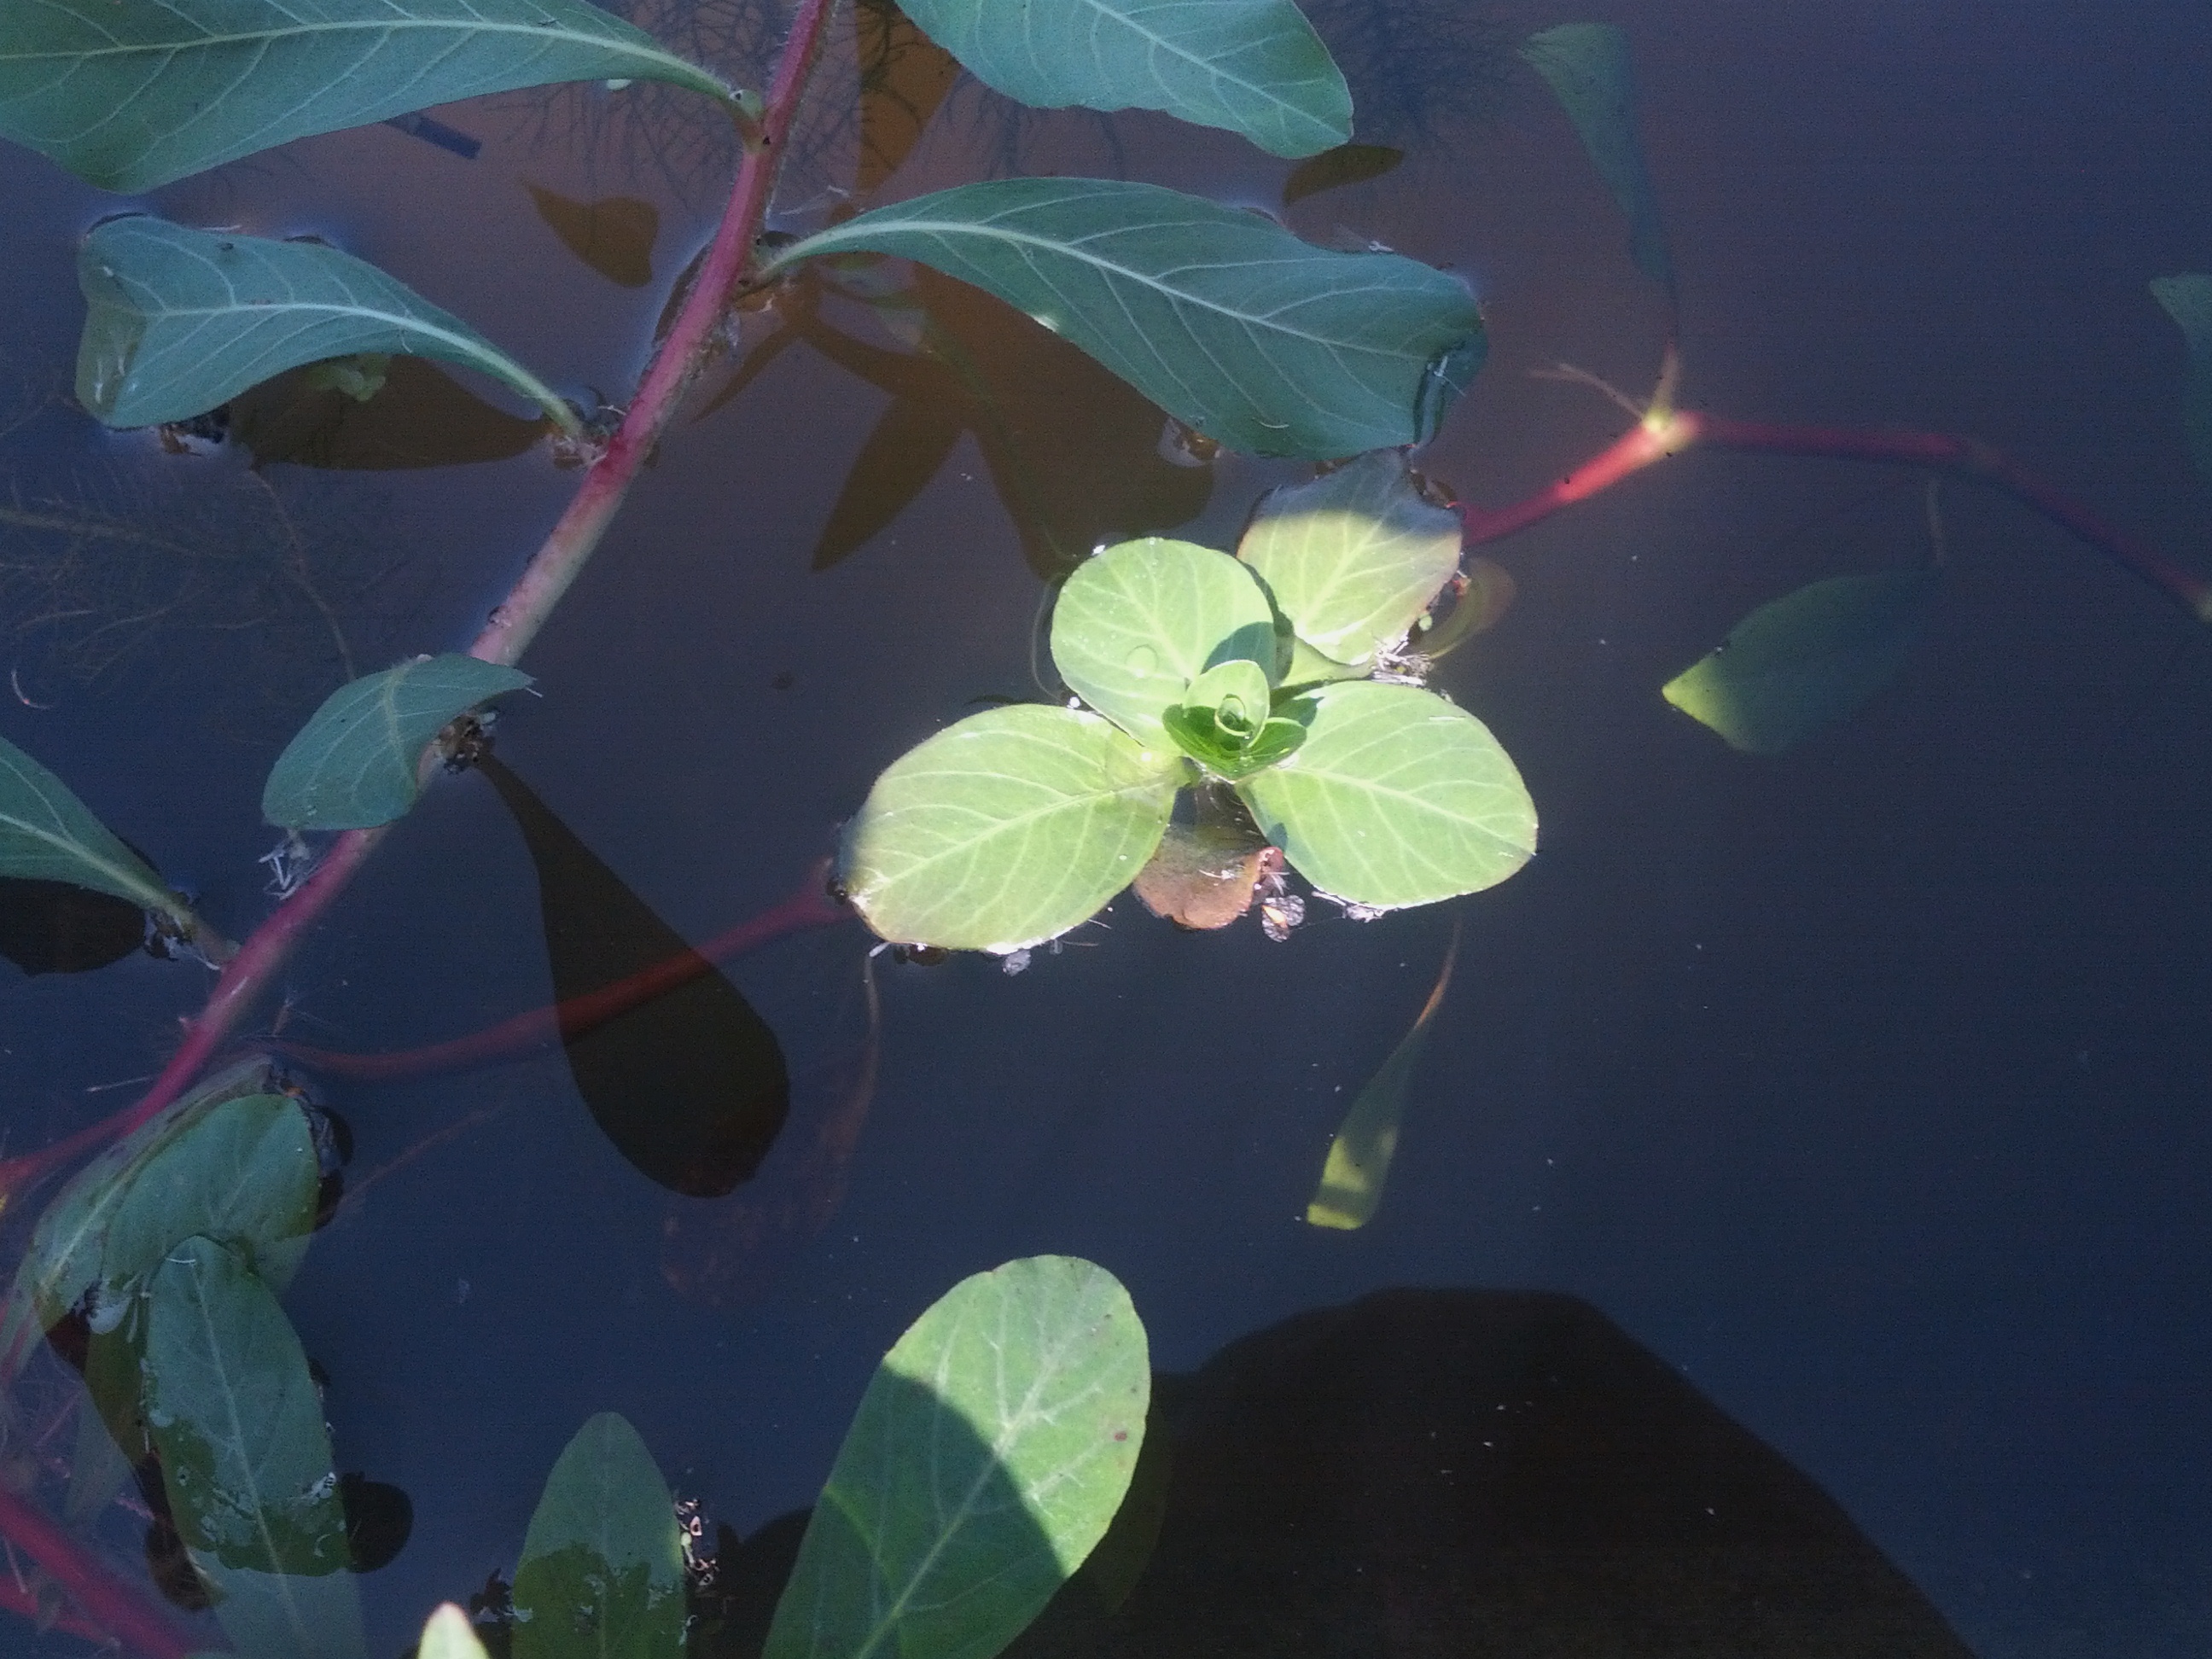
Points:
[(1853, 1101)]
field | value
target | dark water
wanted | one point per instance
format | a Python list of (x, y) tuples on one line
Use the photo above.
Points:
[(1865, 1088)]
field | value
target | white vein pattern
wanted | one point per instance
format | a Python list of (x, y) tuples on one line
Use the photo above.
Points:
[(1254, 67), (1223, 319), (48, 835), (132, 93)]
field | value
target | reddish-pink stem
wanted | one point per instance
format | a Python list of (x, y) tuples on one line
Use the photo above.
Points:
[(108, 1601)]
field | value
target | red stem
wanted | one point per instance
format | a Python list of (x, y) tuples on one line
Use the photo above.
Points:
[(109, 1602)]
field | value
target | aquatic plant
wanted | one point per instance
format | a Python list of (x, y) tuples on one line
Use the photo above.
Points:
[(1280, 685)]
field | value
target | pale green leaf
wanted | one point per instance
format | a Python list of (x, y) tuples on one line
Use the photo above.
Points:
[(990, 1451), (602, 1569), (47, 834), (1355, 556), (1805, 660), (1396, 797), (1006, 830), (246, 1459), (1227, 321), (1587, 68), (1255, 67), (1358, 1161), (2188, 301), (181, 321), (447, 1634), (131, 94), (354, 764), (1136, 624)]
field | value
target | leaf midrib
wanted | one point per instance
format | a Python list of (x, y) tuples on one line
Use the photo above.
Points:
[(1203, 65)]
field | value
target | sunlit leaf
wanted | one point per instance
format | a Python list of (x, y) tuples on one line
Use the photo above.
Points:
[(1805, 660), (1396, 797), (1227, 321), (246, 1459), (1354, 556), (1587, 68), (1136, 624), (1226, 722), (47, 834), (614, 236), (2188, 301), (1347, 164), (1006, 830), (447, 1634), (130, 96), (182, 320), (1254, 67), (1359, 1160), (354, 764), (990, 1451), (602, 1569)]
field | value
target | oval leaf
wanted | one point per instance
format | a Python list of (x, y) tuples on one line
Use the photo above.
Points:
[(1227, 321), (354, 764), (1353, 558), (1137, 623), (181, 321), (1006, 830), (1587, 68), (1806, 659), (47, 834), (602, 1569), (1255, 67), (130, 96), (1396, 797), (992, 1446)]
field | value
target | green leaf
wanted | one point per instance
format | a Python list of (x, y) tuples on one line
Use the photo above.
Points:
[(1358, 1161), (128, 96), (181, 321), (1006, 830), (1353, 558), (354, 764), (232, 1160), (602, 1570), (1587, 66), (47, 834), (2188, 301), (992, 1446), (1806, 659), (1134, 625), (447, 1634), (1397, 798), (246, 1459), (1227, 321), (1255, 67), (1224, 722)]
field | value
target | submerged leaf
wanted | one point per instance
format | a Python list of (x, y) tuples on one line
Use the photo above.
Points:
[(1359, 1160), (613, 236), (1254, 67), (181, 321), (602, 1569), (1396, 797), (1202, 876), (2188, 301), (1347, 164), (1355, 556), (47, 834), (1006, 830), (1230, 323), (992, 1449), (130, 96), (1805, 660), (1587, 68), (354, 764)]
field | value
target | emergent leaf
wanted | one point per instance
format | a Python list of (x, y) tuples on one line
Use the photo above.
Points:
[(181, 321), (1230, 323), (993, 1447), (47, 834), (1136, 624), (1396, 797), (1587, 68), (602, 1569), (1006, 830), (1354, 556), (130, 96), (1255, 67), (1806, 659), (354, 764)]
